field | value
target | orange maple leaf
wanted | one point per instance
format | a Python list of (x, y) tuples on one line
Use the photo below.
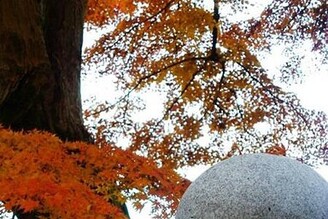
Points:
[(276, 150)]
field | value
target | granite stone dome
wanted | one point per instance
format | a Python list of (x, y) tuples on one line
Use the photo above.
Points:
[(256, 186)]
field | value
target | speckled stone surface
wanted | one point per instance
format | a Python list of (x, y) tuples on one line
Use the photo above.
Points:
[(256, 186)]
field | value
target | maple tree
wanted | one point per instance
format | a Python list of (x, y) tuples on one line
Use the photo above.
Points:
[(208, 66)]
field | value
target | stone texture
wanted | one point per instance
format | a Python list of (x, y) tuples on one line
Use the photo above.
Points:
[(256, 186)]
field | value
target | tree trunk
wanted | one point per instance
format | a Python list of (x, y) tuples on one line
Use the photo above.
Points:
[(40, 63)]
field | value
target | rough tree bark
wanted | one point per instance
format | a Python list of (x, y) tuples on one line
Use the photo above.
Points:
[(40, 64)]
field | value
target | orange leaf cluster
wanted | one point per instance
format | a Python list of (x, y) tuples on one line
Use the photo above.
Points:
[(39, 172), (101, 12), (276, 150)]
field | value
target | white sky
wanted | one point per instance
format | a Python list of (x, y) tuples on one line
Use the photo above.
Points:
[(312, 93)]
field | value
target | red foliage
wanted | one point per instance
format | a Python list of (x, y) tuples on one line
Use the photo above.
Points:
[(38, 172), (277, 150)]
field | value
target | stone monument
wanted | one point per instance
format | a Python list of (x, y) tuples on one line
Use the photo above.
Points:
[(256, 186)]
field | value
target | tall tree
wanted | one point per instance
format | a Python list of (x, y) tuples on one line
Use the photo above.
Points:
[(207, 64), (40, 58)]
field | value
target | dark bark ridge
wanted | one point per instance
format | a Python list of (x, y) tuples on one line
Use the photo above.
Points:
[(40, 63)]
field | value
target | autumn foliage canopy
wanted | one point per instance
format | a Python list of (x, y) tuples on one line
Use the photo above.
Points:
[(208, 65), (39, 172)]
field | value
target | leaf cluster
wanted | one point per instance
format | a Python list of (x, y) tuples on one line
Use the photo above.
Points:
[(40, 173)]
